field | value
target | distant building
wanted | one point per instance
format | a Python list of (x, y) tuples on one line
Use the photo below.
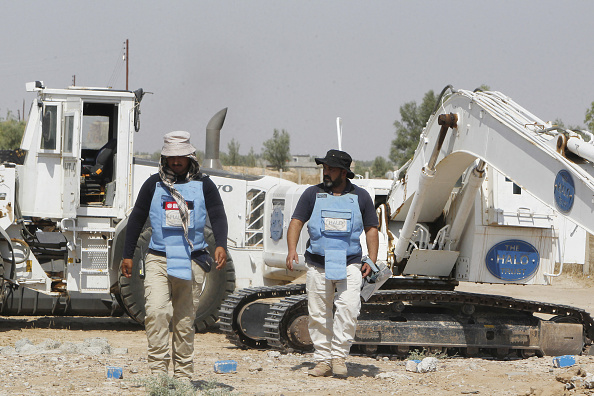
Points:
[(305, 164)]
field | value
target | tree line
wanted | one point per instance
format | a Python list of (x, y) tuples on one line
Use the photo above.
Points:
[(276, 154), (11, 132), (276, 150)]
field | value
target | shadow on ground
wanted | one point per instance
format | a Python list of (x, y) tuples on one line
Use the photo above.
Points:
[(203, 386)]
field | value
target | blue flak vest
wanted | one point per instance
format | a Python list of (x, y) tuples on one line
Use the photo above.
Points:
[(334, 229), (168, 233)]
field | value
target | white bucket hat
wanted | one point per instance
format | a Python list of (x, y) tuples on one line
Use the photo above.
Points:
[(177, 144)]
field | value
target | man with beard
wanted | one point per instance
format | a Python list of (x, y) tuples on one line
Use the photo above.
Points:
[(338, 212), (177, 200)]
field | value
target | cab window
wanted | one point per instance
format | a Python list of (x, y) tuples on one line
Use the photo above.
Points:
[(49, 128), (68, 134)]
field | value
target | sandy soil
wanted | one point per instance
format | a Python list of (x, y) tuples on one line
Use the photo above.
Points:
[(270, 373)]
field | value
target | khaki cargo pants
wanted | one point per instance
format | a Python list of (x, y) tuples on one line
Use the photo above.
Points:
[(332, 332), (170, 300)]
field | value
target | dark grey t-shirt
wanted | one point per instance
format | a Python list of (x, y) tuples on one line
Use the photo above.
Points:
[(307, 201)]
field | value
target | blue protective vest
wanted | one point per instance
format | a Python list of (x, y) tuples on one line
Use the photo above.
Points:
[(334, 229), (168, 234)]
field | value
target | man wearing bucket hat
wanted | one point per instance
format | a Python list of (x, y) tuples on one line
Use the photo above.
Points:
[(338, 213), (177, 200)]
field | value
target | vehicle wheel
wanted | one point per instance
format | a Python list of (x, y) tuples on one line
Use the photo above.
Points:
[(132, 289), (217, 286), (292, 328)]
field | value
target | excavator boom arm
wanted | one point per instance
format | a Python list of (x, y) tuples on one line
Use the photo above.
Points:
[(508, 138)]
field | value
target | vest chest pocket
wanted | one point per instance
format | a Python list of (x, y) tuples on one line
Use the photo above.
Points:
[(336, 222), (172, 217)]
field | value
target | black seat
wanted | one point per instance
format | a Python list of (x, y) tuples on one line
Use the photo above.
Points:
[(98, 176), (102, 169)]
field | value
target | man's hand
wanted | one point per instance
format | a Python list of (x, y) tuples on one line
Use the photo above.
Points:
[(372, 239), (293, 232), (220, 257), (365, 270), (127, 267), (292, 256)]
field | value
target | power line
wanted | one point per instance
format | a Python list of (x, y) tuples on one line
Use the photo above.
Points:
[(115, 75)]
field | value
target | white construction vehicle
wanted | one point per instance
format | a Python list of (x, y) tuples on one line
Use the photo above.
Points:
[(64, 200), (442, 224), (66, 193), (65, 197)]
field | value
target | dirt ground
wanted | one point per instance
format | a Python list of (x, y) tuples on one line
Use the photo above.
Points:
[(271, 373)]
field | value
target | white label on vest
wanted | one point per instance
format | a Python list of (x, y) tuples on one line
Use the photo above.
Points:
[(172, 215), (331, 224)]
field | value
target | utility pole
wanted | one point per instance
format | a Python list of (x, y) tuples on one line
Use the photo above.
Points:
[(127, 47)]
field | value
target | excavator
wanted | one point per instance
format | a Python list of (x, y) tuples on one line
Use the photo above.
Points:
[(441, 224), (65, 195)]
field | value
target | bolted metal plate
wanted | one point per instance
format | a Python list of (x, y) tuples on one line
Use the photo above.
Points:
[(561, 338), (251, 319)]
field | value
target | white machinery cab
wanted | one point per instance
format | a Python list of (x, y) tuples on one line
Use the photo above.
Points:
[(78, 152), (71, 189)]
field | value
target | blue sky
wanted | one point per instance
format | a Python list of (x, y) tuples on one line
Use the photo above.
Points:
[(297, 65)]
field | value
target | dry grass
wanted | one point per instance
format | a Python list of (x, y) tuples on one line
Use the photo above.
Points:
[(291, 175), (575, 273)]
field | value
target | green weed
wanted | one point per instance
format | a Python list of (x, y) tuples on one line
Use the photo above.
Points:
[(166, 386)]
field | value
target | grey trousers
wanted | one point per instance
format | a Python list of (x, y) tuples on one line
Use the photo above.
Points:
[(170, 300)]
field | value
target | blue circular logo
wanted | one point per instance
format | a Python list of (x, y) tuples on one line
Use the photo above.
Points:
[(512, 260), (564, 191)]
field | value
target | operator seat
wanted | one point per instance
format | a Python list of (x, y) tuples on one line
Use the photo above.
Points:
[(103, 167), (96, 185)]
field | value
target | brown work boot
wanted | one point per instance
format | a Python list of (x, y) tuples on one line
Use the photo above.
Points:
[(339, 368), (322, 369)]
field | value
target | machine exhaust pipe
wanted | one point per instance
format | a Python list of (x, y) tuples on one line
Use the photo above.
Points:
[(213, 140)]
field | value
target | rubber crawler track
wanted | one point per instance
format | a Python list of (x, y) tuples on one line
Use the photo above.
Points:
[(294, 303), (233, 305)]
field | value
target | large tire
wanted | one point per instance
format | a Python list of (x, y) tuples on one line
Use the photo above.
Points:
[(132, 289), (217, 286)]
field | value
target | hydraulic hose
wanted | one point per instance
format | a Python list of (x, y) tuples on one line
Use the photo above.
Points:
[(27, 251)]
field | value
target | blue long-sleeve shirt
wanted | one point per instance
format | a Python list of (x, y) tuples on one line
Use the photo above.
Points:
[(140, 213)]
